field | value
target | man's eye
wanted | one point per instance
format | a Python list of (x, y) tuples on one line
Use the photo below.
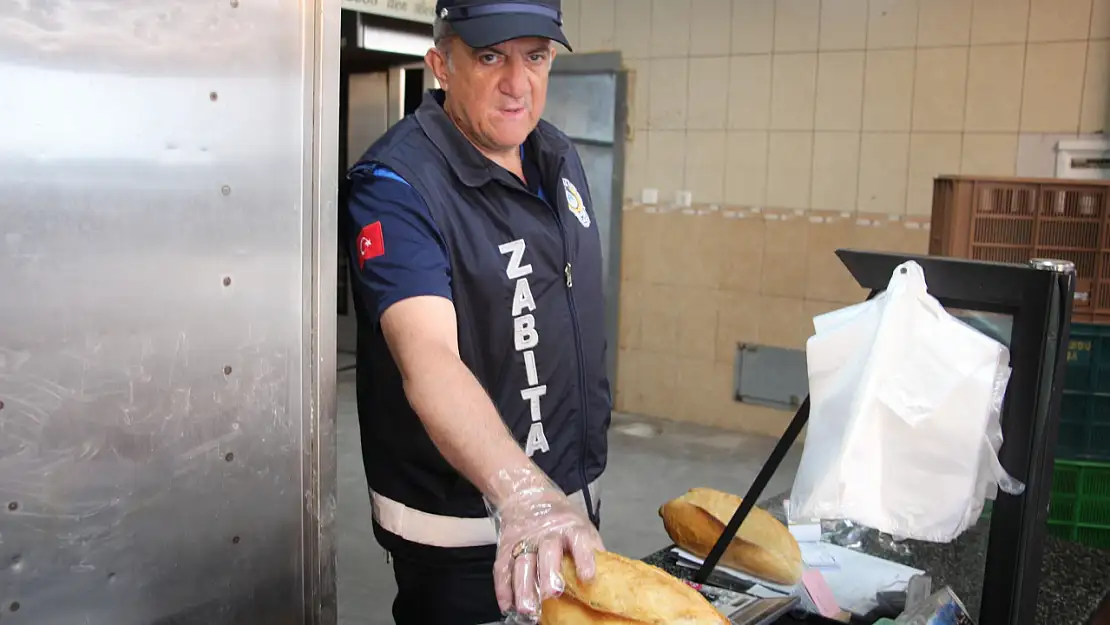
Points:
[(539, 57), (488, 59)]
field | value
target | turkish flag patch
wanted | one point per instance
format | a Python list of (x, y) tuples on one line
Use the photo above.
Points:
[(370, 243)]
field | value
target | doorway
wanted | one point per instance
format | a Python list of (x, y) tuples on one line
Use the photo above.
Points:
[(382, 79)]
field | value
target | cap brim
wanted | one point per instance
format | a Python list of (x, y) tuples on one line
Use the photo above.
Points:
[(490, 30)]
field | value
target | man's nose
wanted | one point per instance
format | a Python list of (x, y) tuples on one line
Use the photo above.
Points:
[(515, 81)]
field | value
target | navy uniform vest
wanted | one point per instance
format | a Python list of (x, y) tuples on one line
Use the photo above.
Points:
[(526, 284)]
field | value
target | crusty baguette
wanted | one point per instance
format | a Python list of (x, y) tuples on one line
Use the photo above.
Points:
[(763, 547), (627, 592)]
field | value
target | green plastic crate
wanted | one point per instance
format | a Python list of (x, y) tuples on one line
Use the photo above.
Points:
[(1080, 504), (1085, 410)]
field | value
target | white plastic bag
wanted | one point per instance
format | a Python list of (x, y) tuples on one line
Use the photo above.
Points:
[(905, 408)]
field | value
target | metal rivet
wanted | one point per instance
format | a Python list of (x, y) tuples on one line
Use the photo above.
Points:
[(903, 270), (111, 577), (226, 190), (235, 4), (1, 404), (227, 281), (227, 370), (13, 506), (229, 457), (14, 607), (16, 558), (235, 540), (213, 96)]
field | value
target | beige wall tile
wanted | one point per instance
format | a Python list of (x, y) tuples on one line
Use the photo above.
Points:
[(1053, 88), (697, 323), (741, 240), (999, 21), (707, 101), (635, 165), (705, 165), (892, 24), (1096, 87), (883, 170), (843, 25), (796, 25), (994, 85), (826, 277), (667, 87), (659, 318), (737, 322), (938, 93), (598, 28), (1100, 19), (989, 154), (888, 90), (572, 18), (633, 29), (788, 169), (784, 269), (631, 313), (711, 27), (753, 26), (670, 28), (782, 322), (944, 23), (666, 164), (746, 164), (835, 170), (793, 91), (1059, 20), (839, 91), (703, 392), (931, 155), (749, 92)]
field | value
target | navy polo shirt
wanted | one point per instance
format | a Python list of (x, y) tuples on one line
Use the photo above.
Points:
[(415, 262)]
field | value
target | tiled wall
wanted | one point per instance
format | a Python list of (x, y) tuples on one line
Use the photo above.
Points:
[(774, 131)]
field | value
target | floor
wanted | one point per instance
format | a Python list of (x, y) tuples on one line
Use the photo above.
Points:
[(650, 461)]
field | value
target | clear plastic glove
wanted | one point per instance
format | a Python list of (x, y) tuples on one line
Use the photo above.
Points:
[(536, 524)]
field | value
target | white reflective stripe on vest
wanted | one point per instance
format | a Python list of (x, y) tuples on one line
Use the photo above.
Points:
[(446, 531)]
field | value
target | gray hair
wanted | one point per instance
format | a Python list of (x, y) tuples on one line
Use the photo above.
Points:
[(442, 32)]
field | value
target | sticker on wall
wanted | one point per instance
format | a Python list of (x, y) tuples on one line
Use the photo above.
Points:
[(575, 203)]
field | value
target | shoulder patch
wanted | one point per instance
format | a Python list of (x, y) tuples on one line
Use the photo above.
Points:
[(575, 203)]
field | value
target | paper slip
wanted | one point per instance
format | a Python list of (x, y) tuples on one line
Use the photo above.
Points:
[(689, 557), (818, 555), (806, 532)]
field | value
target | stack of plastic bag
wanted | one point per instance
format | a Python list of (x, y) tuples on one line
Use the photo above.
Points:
[(905, 408)]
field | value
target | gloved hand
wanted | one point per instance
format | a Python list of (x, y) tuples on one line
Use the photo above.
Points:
[(536, 524)]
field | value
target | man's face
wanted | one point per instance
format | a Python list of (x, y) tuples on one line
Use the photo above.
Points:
[(497, 93)]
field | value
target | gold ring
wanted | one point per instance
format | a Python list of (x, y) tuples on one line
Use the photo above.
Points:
[(524, 547)]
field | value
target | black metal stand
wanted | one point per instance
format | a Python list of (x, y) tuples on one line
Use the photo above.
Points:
[(755, 491)]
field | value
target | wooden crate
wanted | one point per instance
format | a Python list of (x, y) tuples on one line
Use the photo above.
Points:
[(1015, 219)]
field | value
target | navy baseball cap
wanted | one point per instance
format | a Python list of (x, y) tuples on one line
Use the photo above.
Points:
[(486, 23)]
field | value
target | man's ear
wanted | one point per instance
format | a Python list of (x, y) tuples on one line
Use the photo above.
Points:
[(436, 61)]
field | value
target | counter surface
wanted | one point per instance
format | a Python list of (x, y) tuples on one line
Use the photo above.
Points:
[(1074, 578)]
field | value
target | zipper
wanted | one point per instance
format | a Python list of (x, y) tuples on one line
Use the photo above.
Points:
[(578, 351)]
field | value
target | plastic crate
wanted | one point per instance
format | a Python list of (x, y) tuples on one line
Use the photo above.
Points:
[(1085, 410), (1080, 506), (1013, 220)]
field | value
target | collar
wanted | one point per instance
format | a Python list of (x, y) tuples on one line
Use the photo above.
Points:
[(470, 165)]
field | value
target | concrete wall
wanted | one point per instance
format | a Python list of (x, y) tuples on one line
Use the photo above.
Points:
[(774, 131)]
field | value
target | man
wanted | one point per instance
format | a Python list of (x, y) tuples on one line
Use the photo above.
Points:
[(482, 385)]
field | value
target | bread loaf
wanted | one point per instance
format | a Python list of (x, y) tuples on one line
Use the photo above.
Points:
[(763, 548), (627, 592)]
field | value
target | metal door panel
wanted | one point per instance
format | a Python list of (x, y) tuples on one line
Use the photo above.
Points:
[(163, 201)]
